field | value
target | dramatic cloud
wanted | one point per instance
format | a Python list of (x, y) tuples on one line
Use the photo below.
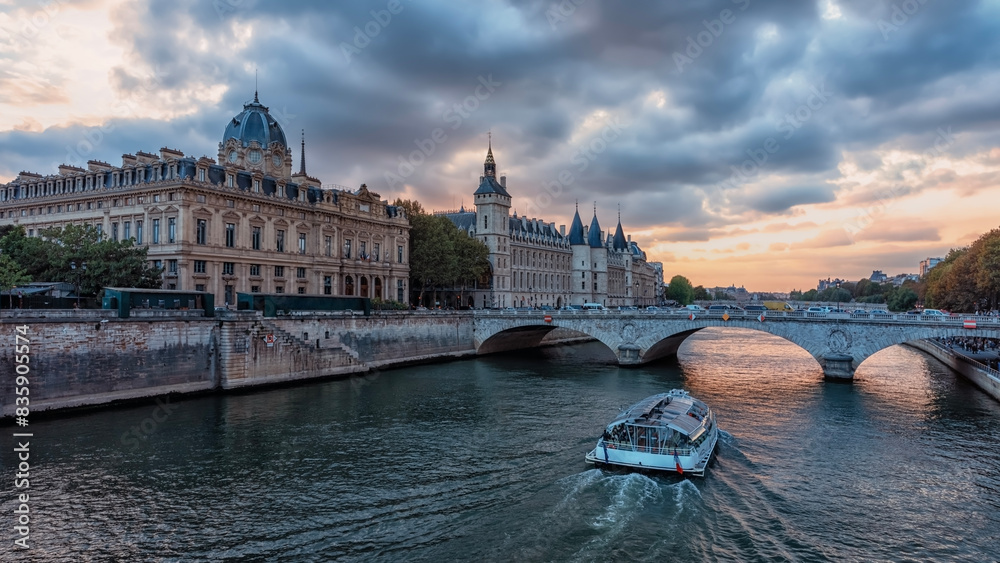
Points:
[(767, 129)]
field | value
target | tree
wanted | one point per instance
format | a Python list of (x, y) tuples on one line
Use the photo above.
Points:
[(988, 269), (433, 260), (902, 299), (411, 206), (472, 259), (701, 294), (680, 290), (49, 256), (11, 274)]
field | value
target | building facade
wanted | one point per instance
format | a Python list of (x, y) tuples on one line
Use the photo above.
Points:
[(536, 265), (927, 264), (242, 223)]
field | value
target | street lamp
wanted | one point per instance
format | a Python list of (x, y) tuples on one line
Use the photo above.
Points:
[(636, 293), (838, 295), (79, 276)]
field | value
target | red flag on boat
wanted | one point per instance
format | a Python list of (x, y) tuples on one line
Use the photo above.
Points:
[(677, 460)]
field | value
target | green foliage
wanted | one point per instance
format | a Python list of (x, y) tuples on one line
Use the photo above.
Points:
[(968, 279), (11, 274), (50, 257), (681, 291), (701, 294), (411, 206), (902, 299), (433, 260), (388, 305), (442, 255)]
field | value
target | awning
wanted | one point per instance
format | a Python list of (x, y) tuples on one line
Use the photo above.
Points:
[(686, 425)]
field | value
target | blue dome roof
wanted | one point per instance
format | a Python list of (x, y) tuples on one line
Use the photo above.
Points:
[(254, 123)]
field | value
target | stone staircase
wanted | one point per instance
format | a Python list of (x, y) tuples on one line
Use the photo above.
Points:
[(337, 352)]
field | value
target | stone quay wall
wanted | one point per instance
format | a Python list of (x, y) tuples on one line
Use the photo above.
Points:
[(94, 360), (99, 359), (979, 376)]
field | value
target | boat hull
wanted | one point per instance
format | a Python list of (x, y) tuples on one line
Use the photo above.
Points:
[(691, 465)]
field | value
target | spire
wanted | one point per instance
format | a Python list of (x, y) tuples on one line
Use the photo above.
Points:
[(619, 242), (255, 100), (490, 166), (302, 160), (576, 228), (594, 234)]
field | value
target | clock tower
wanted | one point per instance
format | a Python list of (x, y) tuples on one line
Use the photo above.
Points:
[(493, 228)]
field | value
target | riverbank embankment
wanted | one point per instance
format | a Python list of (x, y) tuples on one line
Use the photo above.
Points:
[(90, 358), (984, 378)]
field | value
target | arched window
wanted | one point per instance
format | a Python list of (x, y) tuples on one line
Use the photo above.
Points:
[(364, 287), (349, 285), (378, 288)]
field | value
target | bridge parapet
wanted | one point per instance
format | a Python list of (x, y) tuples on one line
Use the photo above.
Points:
[(904, 318)]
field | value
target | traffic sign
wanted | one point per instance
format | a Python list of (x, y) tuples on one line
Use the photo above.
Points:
[(270, 340)]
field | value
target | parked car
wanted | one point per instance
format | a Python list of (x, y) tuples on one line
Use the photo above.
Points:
[(652, 308), (755, 308), (933, 313), (694, 307), (878, 312), (816, 311)]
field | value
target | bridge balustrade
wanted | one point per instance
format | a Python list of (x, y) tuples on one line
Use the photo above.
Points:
[(676, 314)]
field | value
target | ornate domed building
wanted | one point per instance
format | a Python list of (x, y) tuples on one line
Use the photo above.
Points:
[(254, 141), (242, 223)]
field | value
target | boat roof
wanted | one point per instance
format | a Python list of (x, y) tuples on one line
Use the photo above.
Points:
[(664, 410)]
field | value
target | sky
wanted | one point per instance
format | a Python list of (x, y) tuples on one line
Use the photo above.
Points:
[(760, 143)]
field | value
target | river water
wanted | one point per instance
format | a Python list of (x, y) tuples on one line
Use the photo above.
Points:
[(483, 460)]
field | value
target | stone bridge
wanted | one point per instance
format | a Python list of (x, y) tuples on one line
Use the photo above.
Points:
[(840, 342)]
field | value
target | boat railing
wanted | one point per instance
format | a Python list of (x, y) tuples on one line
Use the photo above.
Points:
[(627, 446)]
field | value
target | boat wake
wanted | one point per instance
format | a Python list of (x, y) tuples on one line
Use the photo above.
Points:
[(610, 505)]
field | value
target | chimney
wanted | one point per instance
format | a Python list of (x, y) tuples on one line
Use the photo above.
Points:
[(630, 238), (562, 230), (503, 181)]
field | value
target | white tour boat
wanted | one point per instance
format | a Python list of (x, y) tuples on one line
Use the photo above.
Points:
[(671, 431)]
